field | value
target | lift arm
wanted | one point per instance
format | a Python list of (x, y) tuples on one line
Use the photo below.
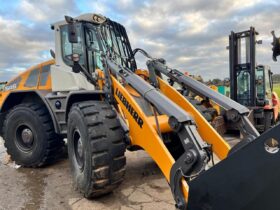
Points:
[(196, 154), (197, 87), (236, 112), (247, 179)]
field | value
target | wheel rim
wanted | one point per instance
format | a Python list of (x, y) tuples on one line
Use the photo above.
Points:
[(78, 149), (24, 138)]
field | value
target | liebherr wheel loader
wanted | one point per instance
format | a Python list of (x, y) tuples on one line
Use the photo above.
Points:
[(93, 94)]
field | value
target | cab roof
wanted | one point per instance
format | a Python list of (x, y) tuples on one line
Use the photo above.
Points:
[(88, 17)]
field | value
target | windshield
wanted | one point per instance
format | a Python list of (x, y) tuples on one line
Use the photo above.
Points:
[(117, 43), (94, 48), (243, 88), (109, 38)]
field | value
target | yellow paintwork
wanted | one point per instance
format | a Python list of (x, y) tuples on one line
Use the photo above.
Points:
[(215, 106), (162, 121), (147, 136), (100, 78), (24, 76), (206, 131)]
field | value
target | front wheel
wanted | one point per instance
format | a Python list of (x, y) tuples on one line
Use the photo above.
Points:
[(95, 148)]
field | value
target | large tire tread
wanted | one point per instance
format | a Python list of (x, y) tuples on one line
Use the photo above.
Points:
[(106, 140), (54, 144)]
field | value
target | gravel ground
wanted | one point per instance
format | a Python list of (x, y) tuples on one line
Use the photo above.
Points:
[(144, 187), (51, 187)]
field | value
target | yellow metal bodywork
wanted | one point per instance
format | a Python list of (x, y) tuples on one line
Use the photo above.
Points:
[(146, 136), (215, 106), (206, 131), (142, 129), (23, 78)]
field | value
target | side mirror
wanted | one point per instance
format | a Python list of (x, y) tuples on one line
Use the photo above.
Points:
[(72, 30), (52, 53)]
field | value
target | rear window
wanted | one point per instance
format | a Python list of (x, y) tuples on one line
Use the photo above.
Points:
[(44, 75), (32, 80), (13, 84)]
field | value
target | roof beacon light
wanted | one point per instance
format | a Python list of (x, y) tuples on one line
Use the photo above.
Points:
[(99, 19)]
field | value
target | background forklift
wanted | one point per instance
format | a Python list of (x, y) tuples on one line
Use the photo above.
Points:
[(251, 85)]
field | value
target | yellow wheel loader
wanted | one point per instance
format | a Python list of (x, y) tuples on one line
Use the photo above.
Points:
[(92, 94)]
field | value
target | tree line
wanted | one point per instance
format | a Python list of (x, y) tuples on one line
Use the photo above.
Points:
[(276, 78)]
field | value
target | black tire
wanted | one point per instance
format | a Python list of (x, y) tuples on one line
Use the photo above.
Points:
[(96, 148), (29, 136)]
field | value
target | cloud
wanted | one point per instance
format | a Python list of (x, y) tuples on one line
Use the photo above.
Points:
[(47, 10), (191, 35), (18, 47), (26, 36)]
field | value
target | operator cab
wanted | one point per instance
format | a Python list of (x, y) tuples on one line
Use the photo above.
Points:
[(263, 85), (93, 39), (88, 38)]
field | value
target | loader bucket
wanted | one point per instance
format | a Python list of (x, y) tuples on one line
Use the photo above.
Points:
[(249, 179)]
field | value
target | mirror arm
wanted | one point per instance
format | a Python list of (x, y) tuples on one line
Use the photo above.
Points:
[(77, 67)]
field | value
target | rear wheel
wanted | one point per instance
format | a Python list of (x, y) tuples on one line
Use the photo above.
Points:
[(96, 148), (29, 136)]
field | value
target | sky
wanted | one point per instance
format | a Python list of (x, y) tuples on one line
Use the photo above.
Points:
[(191, 35)]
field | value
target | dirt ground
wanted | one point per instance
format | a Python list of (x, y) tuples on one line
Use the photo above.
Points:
[(144, 187)]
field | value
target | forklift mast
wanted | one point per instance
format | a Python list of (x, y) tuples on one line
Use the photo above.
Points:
[(242, 71)]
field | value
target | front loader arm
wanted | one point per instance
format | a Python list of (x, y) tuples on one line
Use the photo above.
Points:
[(208, 133), (245, 179), (146, 135), (236, 113), (143, 133)]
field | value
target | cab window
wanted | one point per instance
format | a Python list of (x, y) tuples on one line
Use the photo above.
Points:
[(267, 84), (93, 49), (44, 75), (243, 88), (32, 79), (71, 48), (260, 84), (12, 85)]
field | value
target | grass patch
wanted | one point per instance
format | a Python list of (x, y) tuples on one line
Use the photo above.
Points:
[(276, 88)]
